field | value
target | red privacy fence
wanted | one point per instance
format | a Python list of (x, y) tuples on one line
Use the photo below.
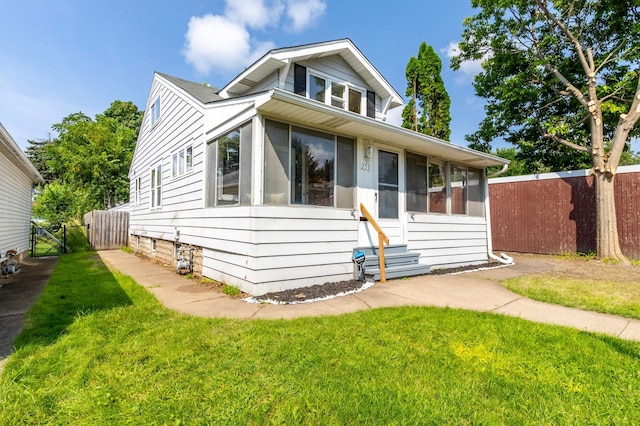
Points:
[(554, 213)]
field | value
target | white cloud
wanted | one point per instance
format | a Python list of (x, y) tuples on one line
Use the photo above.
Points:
[(254, 13), (223, 43), (302, 13), (469, 69), (215, 42)]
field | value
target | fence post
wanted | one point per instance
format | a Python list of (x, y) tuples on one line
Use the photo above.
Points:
[(64, 239)]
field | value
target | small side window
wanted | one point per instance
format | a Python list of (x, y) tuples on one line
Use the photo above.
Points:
[(189, 159), (155, 111)]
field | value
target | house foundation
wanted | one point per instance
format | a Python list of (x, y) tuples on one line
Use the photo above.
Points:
[(165, 252)]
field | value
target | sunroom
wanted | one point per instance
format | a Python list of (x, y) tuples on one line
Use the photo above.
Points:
[(300, 160)]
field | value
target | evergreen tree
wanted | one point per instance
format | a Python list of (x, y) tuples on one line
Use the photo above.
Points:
[(36, 153), (428, 108)]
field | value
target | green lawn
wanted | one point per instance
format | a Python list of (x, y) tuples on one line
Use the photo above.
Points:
[(98, 349), (600, 295)]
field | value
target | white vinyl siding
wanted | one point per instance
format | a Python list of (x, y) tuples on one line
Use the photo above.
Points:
[(448, 241), (15, 214)]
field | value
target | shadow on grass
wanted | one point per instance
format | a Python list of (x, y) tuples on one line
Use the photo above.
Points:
[(80, 284), (627, 348)]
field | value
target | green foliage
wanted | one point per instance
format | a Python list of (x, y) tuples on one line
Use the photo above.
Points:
[(536, 85), (55, 204), (37, 154), (91, 159), (428, 108), (231, 290), (76, 239), (98, 349)]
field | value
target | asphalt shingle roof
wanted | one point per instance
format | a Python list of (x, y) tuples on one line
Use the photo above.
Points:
[(202, 92)]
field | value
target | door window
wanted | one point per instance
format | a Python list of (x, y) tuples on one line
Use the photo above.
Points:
[(387, 185)]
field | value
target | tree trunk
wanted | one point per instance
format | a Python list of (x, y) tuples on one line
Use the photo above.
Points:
[(607, 241)]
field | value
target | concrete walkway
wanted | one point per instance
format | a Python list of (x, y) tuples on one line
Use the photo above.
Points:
[(478, 291)]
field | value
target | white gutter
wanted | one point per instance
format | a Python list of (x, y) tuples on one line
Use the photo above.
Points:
[(503, 258)]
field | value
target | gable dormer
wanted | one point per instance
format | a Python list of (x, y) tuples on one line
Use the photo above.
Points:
[(335, 73)]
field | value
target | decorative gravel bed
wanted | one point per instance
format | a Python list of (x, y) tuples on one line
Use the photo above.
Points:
[(342, 288), (312, 294)]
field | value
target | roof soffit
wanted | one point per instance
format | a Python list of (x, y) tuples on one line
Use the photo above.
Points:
[(296, 109)]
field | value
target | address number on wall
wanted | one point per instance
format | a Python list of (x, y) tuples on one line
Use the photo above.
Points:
[(365, 167)]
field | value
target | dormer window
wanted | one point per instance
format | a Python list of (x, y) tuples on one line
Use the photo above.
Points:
[(355, 101), (332, 91), (317, 88), (337, 95)]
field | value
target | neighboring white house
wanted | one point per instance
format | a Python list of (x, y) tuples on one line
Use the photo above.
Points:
[(265, 177), (17, 176)]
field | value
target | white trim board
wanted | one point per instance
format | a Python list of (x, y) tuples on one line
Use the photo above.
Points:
[(559, 175)]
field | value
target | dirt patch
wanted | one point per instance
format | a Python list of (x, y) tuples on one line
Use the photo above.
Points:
[(18, 293)]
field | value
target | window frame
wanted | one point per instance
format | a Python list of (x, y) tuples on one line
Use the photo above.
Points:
[(155, 111), (338, 177), (213, 198), (180, 160), (329, 97), (155, 187), (465, 188), (137, 191)]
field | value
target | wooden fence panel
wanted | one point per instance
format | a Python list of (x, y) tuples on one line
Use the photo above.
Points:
[(107, 230), (555, 213)]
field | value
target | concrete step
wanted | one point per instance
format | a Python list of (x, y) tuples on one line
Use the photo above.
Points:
[(390, 249), (398, 271), (393, 259)]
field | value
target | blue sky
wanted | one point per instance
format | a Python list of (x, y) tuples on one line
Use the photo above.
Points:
[(64, 56)]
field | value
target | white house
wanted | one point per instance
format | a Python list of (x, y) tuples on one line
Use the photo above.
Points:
[(17, 176), (265, 177)]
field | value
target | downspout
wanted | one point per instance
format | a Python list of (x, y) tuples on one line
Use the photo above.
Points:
[(503, 258)]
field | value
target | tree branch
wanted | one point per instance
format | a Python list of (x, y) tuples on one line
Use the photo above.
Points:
[(585, 63), (558, 139)]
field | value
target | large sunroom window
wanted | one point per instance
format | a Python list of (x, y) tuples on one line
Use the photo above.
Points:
[(229, 179), (304, 166), (437, 187), (458, 190), (416, 182), (427, 188)]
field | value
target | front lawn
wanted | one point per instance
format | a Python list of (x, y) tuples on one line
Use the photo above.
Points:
[(116, 356), (585, 284)]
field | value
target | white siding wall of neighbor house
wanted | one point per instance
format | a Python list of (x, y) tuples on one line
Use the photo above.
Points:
[(15, 213)]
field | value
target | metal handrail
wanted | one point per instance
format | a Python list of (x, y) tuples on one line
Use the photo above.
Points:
[(382, 240)]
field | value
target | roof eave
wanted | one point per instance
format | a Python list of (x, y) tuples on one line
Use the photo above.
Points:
[(334, 119)]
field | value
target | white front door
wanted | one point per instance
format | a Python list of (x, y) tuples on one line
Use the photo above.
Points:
[(386, 203)]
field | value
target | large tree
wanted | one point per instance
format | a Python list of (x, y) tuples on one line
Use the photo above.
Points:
[(563, 71), (428, 108), (91, 160)]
